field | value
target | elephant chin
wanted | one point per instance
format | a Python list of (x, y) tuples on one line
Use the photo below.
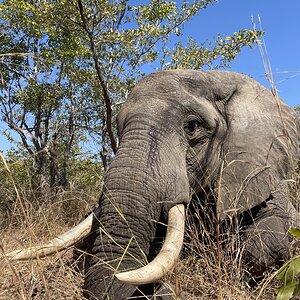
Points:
[(152, 272)]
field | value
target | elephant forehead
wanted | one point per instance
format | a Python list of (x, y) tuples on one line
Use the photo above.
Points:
[(172, 92), (161, 83), (173, 83), (152, 111)]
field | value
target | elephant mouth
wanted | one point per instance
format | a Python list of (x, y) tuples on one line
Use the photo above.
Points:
[(153, 271)]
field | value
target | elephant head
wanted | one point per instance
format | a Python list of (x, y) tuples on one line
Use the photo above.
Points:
[(183, 132)]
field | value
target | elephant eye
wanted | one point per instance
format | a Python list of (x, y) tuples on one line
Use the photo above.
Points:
[(191, 126)]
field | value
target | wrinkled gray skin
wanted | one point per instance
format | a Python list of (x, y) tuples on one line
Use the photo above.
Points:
[(184, 134)]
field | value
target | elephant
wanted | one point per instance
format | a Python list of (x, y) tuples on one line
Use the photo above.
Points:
[(217, 139)]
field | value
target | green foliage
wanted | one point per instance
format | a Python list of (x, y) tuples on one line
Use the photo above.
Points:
[(195, 56), (86, 174), (40, 96), (288, 274), (85, 182)]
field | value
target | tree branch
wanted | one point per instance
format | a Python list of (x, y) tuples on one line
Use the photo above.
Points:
[(22, 135), (107, 101)]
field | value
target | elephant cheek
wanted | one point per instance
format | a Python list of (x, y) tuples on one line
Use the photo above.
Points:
[(173, 184), (203, 165)]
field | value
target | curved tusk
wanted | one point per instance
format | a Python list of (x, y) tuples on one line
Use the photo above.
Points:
[(59, 243), (167, 256)]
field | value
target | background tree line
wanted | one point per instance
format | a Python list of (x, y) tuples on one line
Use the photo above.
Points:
[(66, 67)]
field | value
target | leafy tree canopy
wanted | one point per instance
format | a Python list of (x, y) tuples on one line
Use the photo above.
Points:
[(67, 65)]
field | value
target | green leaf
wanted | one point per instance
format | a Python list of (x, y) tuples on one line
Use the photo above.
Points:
[(289, 270), (295, 232), (288, 291), (288, 274)]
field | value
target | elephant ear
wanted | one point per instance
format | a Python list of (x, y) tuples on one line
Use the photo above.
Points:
[(261, 148)]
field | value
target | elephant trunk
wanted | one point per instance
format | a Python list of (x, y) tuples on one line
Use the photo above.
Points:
[(140, 185)]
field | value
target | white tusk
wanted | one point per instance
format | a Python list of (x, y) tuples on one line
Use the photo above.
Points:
[(59, 243), (167, 256)]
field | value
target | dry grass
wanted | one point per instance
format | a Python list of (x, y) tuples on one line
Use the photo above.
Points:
[(26, 220), (207, 272), (212, 277), (54, 277), (204, 272)]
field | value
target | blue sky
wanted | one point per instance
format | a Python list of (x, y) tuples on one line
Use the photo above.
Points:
[(281, 22)]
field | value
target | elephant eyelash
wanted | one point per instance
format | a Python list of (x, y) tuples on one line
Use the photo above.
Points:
[(195, 127)]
